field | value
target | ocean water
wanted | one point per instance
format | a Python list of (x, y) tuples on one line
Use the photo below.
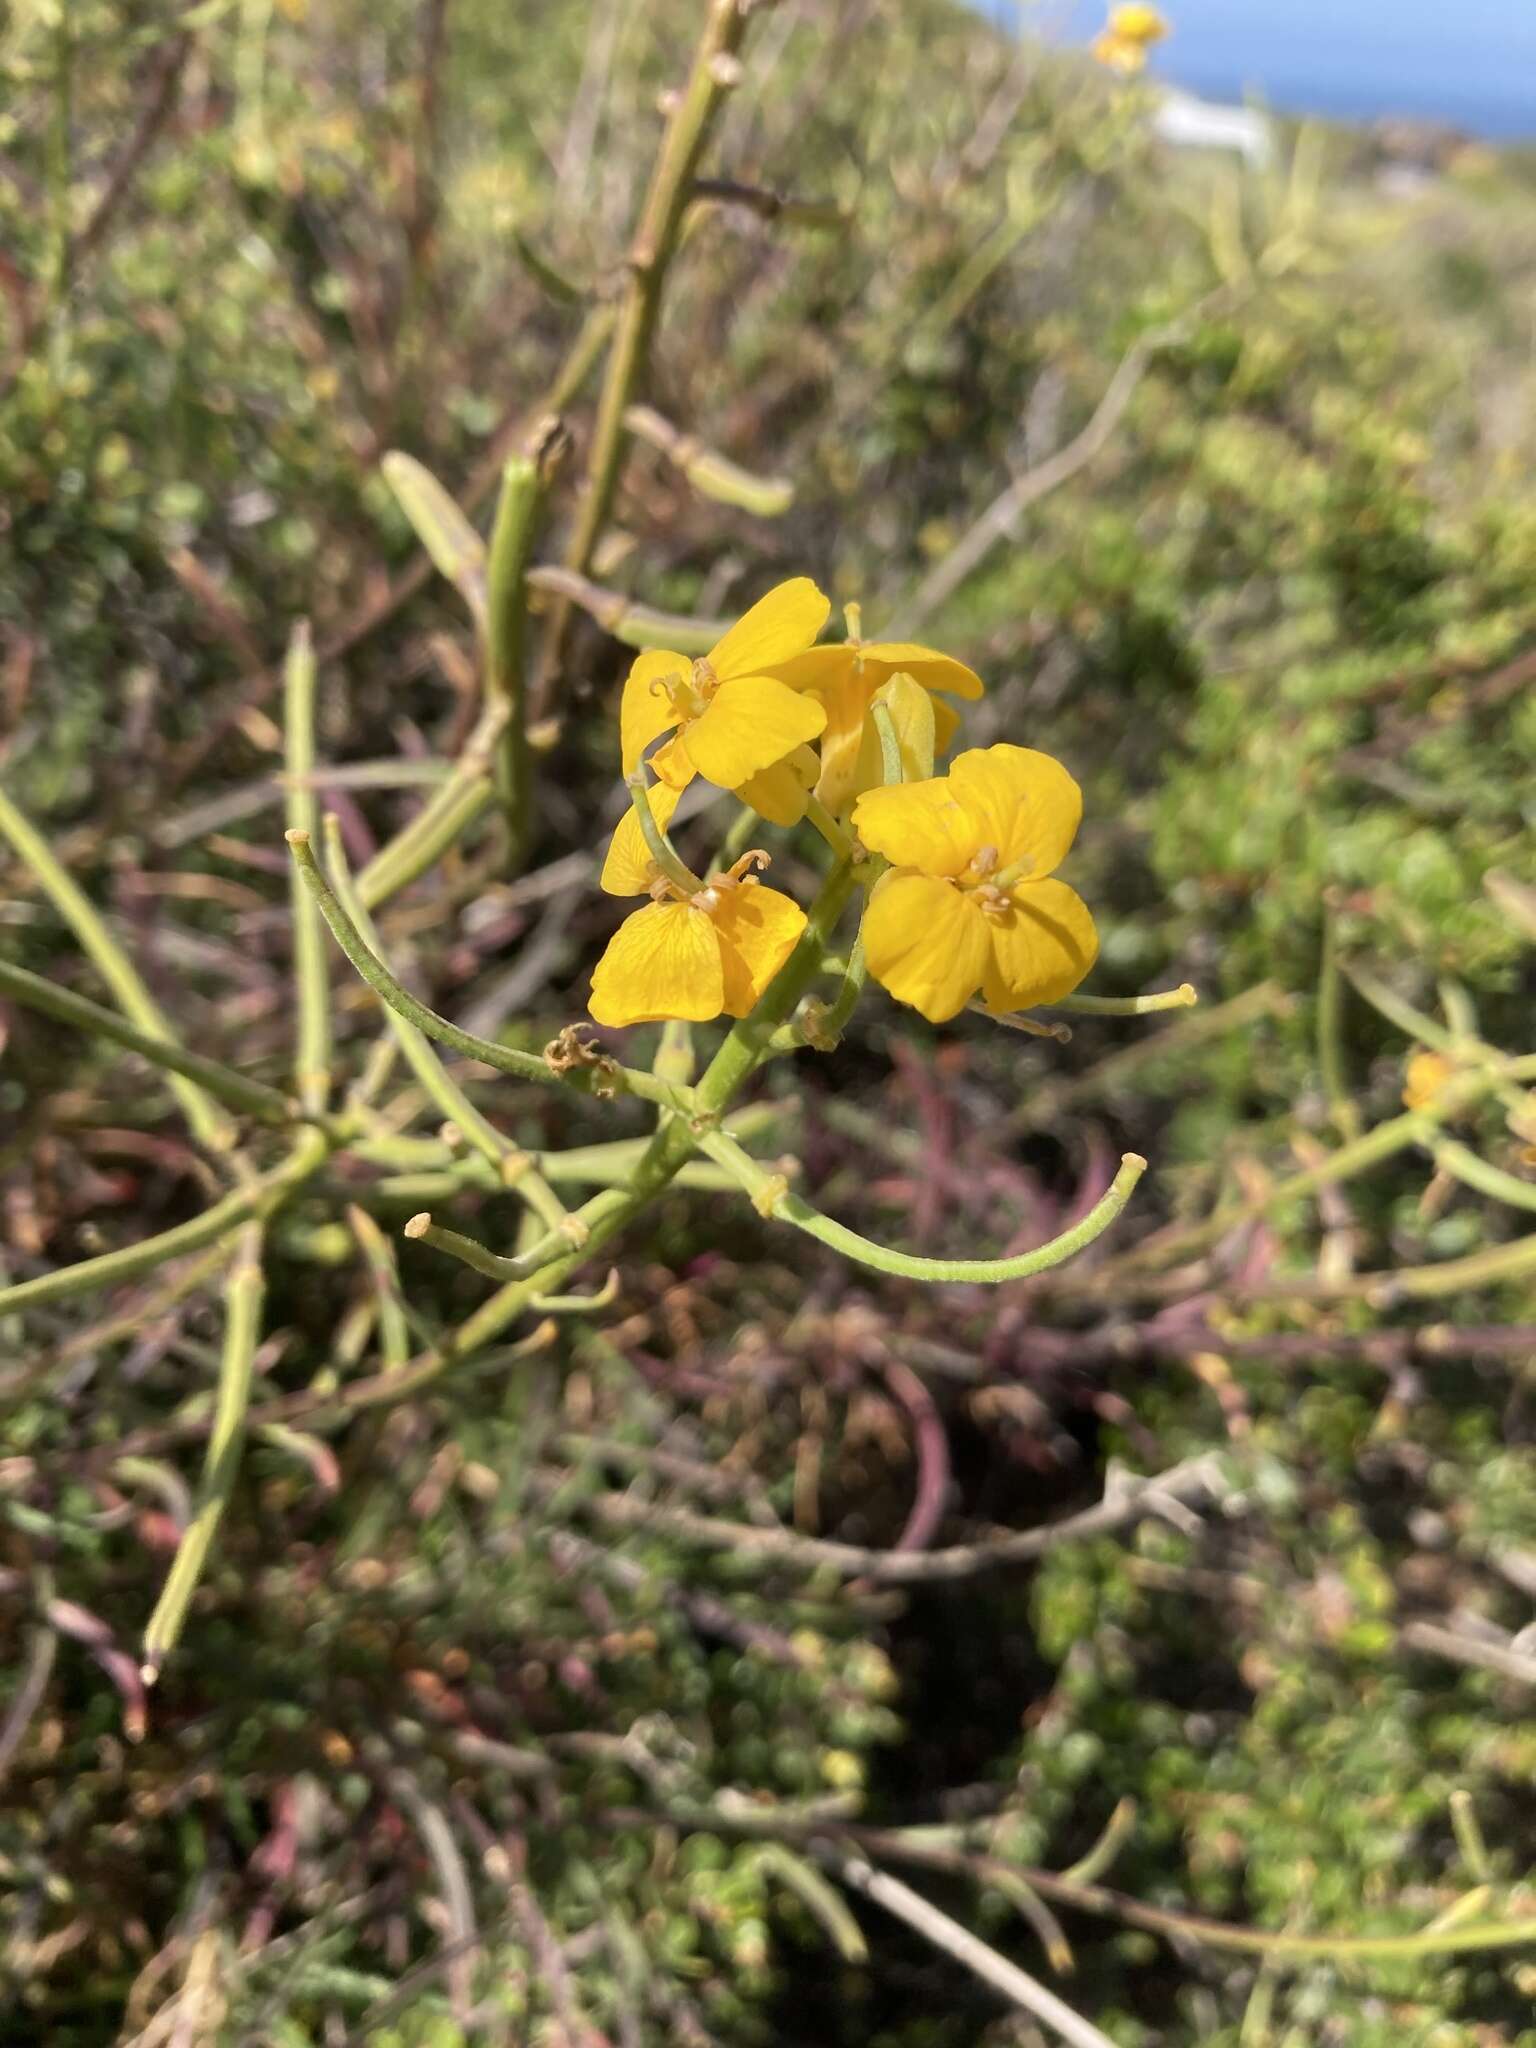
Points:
[(1471, 63)]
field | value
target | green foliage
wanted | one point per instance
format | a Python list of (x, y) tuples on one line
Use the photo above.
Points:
[(1272, 629)]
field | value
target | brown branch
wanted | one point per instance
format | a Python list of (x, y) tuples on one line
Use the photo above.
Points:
[(164, 87), (979, 539), (1134, 1498)]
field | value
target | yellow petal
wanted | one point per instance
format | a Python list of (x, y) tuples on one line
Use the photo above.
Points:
[(926, 943), (820, 668), (759, 928), (778, 627), (645, 710), (663, 961), (918, 825), (933, 670), (1023, 803), (628, 869), (779, 793), (749, 724), (671, 763), (846, 696), (1041, 948), (946, 723)]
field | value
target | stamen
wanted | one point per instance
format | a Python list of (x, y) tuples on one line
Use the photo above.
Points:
[(707, 900)]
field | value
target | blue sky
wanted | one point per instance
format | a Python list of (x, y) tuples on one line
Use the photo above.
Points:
[(1470, 62)]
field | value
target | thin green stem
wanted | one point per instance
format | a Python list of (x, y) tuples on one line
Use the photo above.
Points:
[(1463, 1164), (715, 70), (311, 963), (268, 1105), (892, 769), (1415, 1127), (470, 1252), (830, 830), (512, 538), (440, 823), (261, 1197), (1184, 997), (379, 1257), (208, 1124), (506, 1059), (772, 1196), (1330, 1032), (423, 1062), (243, 1295), (633, 625), (657, 844), (1415, 1024)]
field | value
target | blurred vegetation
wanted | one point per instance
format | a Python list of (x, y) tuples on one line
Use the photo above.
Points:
[(442, 1755)]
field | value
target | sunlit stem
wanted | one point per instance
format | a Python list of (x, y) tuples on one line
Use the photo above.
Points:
[(579, 1304), (1184, 997), (243, 1295), (311, 963), (229, 1086), (506, 1059), (830, 830), (891, 767), (657, 844), (768, 1190), (470, 1252)]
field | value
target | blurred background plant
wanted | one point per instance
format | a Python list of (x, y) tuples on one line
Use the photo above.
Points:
[(1219, 478)]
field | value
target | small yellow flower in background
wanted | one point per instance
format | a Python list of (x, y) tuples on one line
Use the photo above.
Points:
[(692, 956), (730, 718), (1137, 23), (1424, 1077), (967, 904), (1131, 31), (845, 679)]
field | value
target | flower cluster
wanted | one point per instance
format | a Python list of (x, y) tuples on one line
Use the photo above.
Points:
[(958, 866), (1127, 36)]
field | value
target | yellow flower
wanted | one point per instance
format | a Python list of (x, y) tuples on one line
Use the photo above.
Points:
[(730, 719), (1119, 53), (688, 956), (1424, 1077), (1129, 34), (967, 905), (1135, 22), (845, 679)]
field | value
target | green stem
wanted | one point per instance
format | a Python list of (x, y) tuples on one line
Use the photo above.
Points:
[(470, 1252), (243, 1293), (830, 830), (312, 1065), (772, 1196), (714, 72), (1414, 1024), (749, 1042), (261, 1198), (379, 1256), (439, 824), (506, 1059), (1463, 1164), (512, 539), (1183, 997), (657, 844), (1330, 1033), (423, 1062), (1415, 1127), (634, 625), (1456, 1276), (225, 1083), (892, 769), (207, 1122)]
